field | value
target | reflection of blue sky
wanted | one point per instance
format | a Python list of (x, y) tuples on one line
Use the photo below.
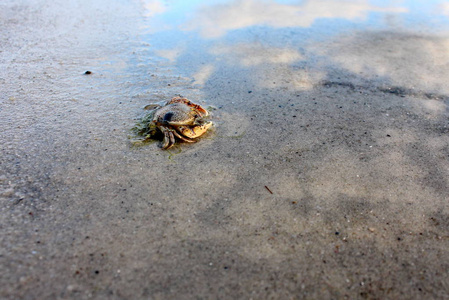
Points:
[(177, 23), (217, 17), (426, 14), (172, 23), (197, 35), (216, 21)]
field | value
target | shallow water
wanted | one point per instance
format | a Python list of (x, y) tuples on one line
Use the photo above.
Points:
[(326, 175)]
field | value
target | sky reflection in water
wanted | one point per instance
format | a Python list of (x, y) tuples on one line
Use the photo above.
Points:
[(201, 37)]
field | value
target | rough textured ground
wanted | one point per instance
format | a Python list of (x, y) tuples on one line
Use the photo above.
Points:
[(326, 177)]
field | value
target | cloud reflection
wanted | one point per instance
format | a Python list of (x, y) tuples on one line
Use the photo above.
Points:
[(203, 74), (409, 60), (255, 54), (170, 54), (271, 65), (444, 8), (153, 7), (214, 21)]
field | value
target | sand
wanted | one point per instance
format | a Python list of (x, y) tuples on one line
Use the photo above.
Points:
[(326, 175)]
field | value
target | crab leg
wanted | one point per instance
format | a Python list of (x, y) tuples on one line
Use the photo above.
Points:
[(166, 140), (185, 139), (169, 139)]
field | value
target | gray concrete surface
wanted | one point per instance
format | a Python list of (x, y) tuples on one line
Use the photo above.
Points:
[(339, 109)]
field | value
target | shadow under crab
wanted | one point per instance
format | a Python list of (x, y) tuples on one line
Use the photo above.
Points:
[(178, 119)]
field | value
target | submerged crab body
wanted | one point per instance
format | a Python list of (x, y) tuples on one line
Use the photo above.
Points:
[(182, 119)]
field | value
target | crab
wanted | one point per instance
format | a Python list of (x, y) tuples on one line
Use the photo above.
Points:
[(182, 119)]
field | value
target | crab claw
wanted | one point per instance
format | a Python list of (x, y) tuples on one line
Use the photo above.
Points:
[(194, 131)]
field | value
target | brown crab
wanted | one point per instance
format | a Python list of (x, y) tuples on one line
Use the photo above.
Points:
[(182, 119)]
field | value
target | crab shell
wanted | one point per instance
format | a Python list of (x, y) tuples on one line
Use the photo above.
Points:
[(182, 119), (187, 102), (179, 111)]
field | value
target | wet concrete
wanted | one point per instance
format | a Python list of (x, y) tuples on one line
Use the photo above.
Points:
[(326, 176)]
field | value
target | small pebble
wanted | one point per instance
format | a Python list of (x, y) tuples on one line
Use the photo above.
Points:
[(87, 73), (70, 288)]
